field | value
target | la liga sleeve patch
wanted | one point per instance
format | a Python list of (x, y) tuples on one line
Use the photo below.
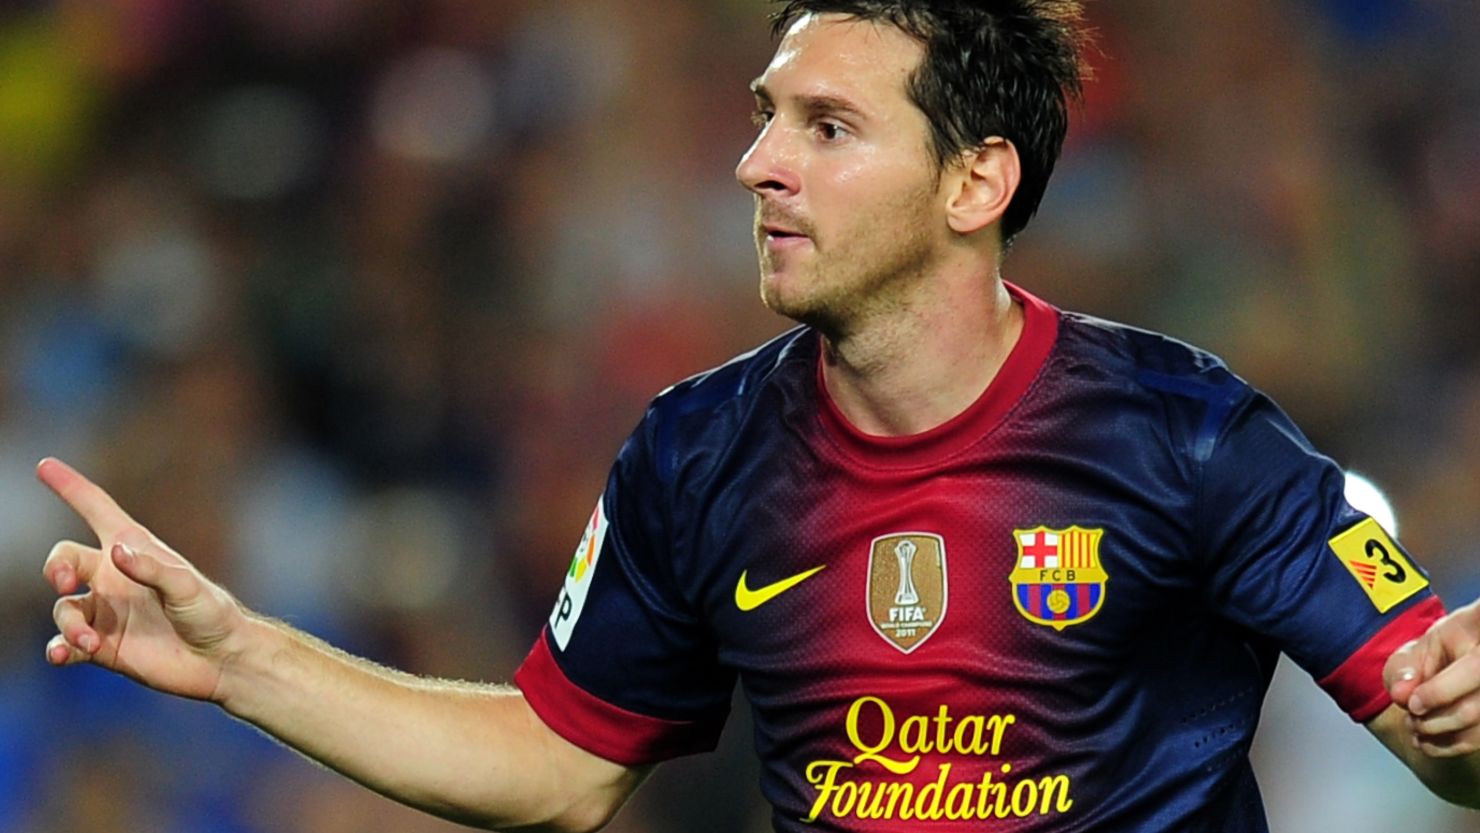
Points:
[(1379, 565), (572, 599)]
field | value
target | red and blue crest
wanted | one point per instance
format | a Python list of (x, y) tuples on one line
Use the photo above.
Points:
[(1057, 579)]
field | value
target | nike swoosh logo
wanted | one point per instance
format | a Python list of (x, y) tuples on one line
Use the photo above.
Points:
[(747, 599)]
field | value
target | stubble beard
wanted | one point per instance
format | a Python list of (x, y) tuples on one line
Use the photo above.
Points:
[(843, 287)]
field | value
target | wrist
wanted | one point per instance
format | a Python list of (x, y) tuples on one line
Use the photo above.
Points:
[(249, 662)]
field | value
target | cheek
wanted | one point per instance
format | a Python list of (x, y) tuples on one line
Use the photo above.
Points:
[(869, 174), (856, 189)]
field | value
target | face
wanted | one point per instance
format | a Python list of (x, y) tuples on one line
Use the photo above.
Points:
[(849, 214)]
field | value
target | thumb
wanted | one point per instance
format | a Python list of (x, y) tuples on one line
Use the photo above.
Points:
[(1403, 672), (174, 585)]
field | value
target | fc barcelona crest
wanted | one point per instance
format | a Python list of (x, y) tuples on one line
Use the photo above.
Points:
[(907, 587), (1057, 580)]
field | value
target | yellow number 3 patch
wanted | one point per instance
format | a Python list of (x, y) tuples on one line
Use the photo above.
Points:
[(1379, 566)]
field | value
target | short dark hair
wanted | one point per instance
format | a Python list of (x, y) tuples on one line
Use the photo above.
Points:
[(1005, 68)]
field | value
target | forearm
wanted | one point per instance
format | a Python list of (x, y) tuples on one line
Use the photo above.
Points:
[(471, 753), (1453, 777), (1456, 780)]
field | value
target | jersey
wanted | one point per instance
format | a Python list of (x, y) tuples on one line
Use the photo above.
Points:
[(1058, 611)]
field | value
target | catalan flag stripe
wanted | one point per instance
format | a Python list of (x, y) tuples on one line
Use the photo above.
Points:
[(1028, 598)]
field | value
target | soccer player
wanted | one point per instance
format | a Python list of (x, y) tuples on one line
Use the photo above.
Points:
[(976, 562)]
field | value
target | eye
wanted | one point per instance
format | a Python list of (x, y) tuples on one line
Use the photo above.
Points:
[(830, 131), (761, 117)]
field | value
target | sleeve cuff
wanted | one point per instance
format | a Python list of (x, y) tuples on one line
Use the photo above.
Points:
[(1356, 684), (601, 728)]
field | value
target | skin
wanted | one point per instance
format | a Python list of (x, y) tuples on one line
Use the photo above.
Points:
[(475, 754), (896, 263), (1433, 725)]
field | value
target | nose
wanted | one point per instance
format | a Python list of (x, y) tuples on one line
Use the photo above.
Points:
[(767, 169)]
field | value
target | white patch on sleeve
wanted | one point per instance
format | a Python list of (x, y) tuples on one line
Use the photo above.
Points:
[(578, 578)]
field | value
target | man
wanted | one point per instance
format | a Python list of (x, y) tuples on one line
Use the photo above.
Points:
[(977, 563)]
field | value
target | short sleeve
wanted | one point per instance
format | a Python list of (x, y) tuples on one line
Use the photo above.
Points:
[(623, 668), (1291, 560)]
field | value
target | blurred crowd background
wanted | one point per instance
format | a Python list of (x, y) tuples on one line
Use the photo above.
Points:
[(353, 301)]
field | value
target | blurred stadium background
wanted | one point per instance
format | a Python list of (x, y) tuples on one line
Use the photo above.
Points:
[(354, 300)]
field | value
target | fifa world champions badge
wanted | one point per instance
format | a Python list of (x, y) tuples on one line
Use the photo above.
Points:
[(907, 587), (1057, 579)]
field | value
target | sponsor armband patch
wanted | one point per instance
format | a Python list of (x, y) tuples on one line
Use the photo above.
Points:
[(1378, 564)]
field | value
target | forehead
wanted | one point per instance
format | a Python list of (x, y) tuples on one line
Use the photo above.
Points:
[(841, 55)]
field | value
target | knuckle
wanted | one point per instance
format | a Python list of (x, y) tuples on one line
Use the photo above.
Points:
[(1395, 661), (135, 535), (1437, 728), (60, 551), (1468, 712), (1423, 727), (1436, 749), (1444, 750)]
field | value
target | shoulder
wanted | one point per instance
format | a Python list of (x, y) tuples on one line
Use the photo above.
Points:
[(740, 378), (704, 412), (1195, 389), (1144, 355)]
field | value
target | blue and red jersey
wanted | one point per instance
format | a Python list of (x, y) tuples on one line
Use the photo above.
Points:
[(1059, 611)]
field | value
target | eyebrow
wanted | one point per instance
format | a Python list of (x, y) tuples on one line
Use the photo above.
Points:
[(813, 104)]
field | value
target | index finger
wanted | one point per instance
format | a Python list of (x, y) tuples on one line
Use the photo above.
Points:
[(85, 497), (1460, 679)]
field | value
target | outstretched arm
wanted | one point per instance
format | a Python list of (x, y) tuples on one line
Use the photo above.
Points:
[(472, 753), (1434, 722)]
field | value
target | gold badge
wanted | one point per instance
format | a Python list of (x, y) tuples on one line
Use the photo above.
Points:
[(907, 587), (1057, 579), (1378, 564)]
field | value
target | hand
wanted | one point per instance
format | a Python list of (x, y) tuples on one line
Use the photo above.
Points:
[(1436, 679), (147, 612)]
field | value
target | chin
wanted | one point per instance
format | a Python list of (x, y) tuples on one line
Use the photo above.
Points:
[(779, 292), (812, 312)]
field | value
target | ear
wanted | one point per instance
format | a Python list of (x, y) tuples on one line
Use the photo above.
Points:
[(985, 180)]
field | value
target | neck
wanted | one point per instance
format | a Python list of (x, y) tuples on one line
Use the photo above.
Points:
[(927, 360)]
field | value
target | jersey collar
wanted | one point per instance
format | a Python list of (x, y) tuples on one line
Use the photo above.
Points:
[(1040, 331)]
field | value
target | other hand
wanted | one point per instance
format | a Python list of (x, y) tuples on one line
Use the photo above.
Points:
[(132, 604), (1436, 679)]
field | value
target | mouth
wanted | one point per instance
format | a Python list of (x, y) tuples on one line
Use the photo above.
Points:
[(781, 235), (777, 242)]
